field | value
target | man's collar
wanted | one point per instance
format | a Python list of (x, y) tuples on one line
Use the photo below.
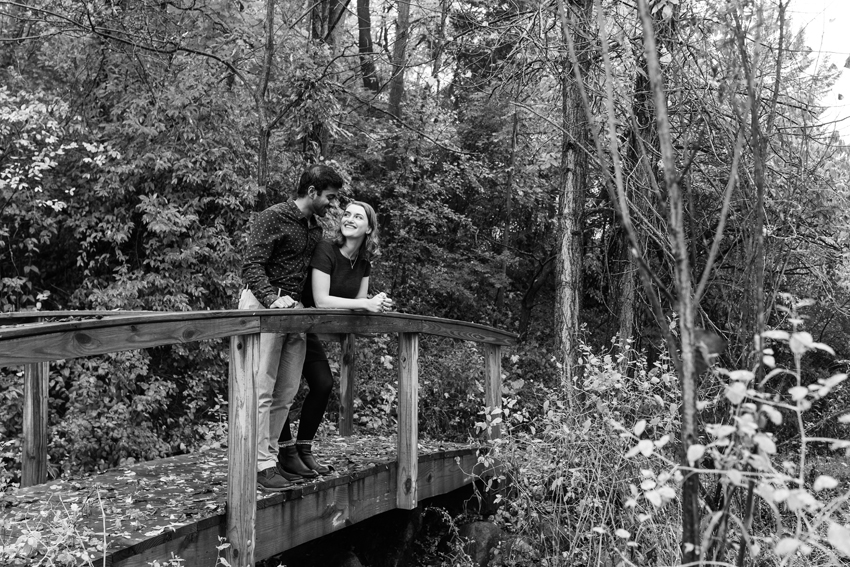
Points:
[(300, 210), (295, 211)]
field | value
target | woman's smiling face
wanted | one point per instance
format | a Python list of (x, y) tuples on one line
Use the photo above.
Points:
[(354, 222)]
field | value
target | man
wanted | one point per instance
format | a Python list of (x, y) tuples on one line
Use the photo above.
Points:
[(280, 244)]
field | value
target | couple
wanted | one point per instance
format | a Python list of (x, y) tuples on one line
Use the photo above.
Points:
[(287, 265)]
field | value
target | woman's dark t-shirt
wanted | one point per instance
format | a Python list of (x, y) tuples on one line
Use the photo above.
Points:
[(345, 278)]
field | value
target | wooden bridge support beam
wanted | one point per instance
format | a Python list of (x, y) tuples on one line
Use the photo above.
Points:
[(493, 385), (34, 447), (347, 384), (408, 420), (242, 451)]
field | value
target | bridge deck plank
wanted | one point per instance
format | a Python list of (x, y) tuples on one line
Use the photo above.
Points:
[(177, 505)]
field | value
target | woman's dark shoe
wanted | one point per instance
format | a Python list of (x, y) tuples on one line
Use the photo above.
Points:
[(305, 451), (292, 464)]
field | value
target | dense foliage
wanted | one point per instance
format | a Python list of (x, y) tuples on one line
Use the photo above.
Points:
[(137, 138)]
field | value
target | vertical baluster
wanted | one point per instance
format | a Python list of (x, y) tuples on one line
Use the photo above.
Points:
[(242, 451), (408, 420), (347, 384), (493, 384), (34, 450)]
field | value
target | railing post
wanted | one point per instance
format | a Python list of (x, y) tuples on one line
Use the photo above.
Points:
[(408, 420), (347, 381), (493, 385), (34, 450), (242, 451)]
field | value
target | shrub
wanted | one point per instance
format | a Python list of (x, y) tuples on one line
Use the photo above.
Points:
[(601, 482)]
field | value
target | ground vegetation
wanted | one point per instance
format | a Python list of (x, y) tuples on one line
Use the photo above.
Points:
[(646, 193)]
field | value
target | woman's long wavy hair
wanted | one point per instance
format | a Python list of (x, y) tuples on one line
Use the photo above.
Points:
[(370, 247)]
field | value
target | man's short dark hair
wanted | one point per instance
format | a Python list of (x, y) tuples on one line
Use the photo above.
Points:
[(319, 176)]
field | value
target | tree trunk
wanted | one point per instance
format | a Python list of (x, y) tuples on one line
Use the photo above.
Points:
[(573, 178), (364, 42), (642, 155), (441, 42), (263, 167), (527, 303), (759, 136), (684, 292), (506, 231), (325, 18), (12, 27), (628, 295), (399, 58), (754, 322), (264, 127)]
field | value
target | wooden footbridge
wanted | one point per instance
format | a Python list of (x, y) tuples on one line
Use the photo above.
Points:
[(205, 505)]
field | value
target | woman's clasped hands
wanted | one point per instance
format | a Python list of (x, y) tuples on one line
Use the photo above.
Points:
[(379, 303)]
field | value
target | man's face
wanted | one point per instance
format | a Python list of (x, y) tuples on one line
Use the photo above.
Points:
[(321, 203)]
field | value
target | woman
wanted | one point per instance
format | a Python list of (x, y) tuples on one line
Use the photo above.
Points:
[(338, 279)]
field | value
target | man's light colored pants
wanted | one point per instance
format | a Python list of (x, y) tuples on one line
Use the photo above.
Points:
[(278, 379)]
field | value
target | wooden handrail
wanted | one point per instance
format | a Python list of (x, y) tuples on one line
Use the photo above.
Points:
[(43, 342), (100, 332), (23, 317)]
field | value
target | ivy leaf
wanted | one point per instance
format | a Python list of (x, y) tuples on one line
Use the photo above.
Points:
[(776, 334), (644, 446), (736, 393), (823, 347), (654, 498), (667, 492), (787, 546), (765, 443), (839, 537), (695, 453), (720, 431), (772, 413), (831, 383), (801, 342), (798, 393), (824, 482), (741, 375)]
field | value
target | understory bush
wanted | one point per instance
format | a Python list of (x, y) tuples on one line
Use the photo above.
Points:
[(451, 384), (121, 408), (568, 473), (597, 480)]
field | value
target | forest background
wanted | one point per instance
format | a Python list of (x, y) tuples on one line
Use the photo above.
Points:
[(613, 181)]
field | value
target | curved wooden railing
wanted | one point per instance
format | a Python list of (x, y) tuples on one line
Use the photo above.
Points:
[(26, 338)]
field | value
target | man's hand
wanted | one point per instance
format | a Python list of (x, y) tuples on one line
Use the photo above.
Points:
[(283, 302)]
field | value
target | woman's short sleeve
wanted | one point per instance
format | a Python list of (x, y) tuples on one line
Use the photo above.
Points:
[(323, 257)]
